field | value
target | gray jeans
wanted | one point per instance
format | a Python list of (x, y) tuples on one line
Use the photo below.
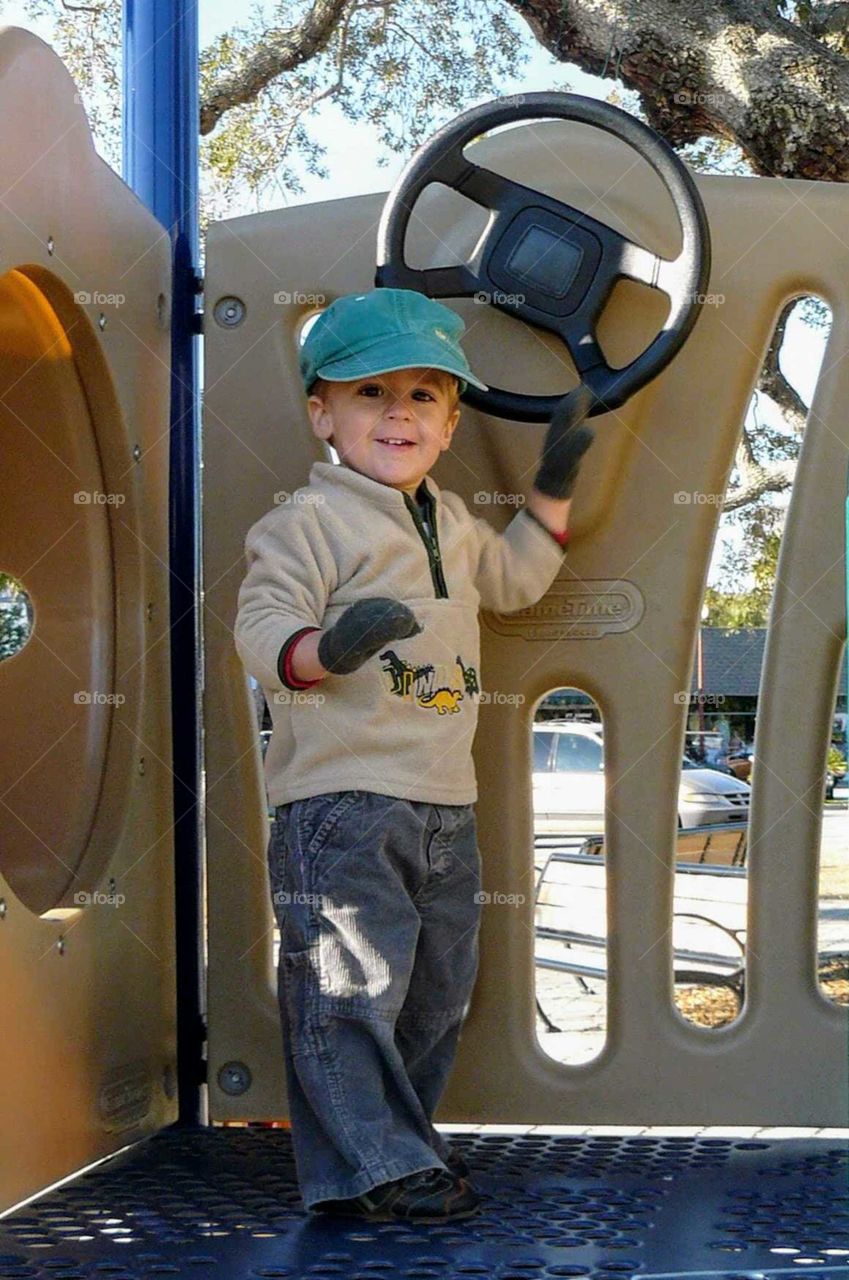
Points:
[(378, 905)]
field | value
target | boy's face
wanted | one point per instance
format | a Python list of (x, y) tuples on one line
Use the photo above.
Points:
[(360, 418)]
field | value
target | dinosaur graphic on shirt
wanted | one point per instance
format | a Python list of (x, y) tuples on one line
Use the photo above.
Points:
[(404, 677), (419, 683), (445, 701), (470, 677)]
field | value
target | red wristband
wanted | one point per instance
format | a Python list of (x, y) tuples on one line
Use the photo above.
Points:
[(561, 538), (287, 675)]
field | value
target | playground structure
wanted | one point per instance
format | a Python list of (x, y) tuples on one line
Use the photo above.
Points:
[(141, 1032)]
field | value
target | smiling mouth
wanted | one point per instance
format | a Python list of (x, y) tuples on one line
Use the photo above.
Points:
[(396, 442)]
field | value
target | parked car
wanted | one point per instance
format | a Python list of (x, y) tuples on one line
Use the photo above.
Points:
[(835, 771), (715, 760), (708, 796), (740, 763), (569, 784)]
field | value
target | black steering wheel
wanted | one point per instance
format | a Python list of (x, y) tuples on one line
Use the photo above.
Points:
[(546, 262)]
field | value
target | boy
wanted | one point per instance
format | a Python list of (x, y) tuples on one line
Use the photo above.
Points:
[(368, 583)]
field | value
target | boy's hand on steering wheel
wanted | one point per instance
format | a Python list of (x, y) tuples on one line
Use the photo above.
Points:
[(363, 628), (566, 442)]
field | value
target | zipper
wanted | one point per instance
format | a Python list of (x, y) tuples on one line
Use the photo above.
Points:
[(434, 555)]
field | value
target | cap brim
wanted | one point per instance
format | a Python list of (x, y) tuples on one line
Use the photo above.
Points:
[(390, 357)]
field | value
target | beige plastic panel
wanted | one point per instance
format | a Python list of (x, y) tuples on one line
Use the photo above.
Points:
[(620, 622), (89, 1042)]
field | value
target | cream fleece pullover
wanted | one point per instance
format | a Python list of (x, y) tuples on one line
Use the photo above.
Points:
[(403, 723)]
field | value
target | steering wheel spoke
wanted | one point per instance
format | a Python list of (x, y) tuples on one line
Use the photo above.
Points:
[(450, 282), (490, 189), (457, 281), (586, 354), (637, 263)]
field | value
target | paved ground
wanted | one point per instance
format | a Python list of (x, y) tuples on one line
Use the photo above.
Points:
[(834, 847)]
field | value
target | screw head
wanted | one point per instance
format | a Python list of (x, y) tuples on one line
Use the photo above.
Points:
[(235, 1078), (229, 312)]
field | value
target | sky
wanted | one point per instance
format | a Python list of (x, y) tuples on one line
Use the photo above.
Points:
[(352, 154)]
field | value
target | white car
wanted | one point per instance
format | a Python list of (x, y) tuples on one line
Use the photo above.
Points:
[(568, 784)]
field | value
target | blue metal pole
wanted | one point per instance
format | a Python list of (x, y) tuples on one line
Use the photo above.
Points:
[(161, 143)]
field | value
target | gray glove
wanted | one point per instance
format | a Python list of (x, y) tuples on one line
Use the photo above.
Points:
[(362, 629), (565, 444)]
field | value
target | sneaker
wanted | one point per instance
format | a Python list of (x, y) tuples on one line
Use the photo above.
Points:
[(431, 1195), (457, 1163)]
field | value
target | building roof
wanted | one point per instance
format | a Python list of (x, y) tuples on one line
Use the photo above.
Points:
[(732, 659)]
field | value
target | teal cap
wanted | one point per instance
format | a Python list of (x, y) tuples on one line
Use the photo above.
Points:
[(363, 334)]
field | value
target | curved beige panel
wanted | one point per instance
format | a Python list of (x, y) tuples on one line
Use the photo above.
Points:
[(45, 828), (86, 853), (620, 622)]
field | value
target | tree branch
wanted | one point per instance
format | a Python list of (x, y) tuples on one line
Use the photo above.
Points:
[(728, 68), (756, 478), (829, 23), (278, 52), (773, 382), (337, 84)]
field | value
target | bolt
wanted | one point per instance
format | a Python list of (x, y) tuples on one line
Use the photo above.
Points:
[(235, 1078), (229, 312)]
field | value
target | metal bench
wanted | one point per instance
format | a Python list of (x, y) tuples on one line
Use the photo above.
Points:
[(717, 851)]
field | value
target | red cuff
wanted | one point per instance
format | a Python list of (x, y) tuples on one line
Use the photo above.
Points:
[(561, 538), (285, 670)]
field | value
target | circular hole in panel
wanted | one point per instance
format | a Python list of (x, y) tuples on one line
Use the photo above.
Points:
[(17, 616)]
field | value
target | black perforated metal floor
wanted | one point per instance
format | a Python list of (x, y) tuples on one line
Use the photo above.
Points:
[(224, 1203)]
